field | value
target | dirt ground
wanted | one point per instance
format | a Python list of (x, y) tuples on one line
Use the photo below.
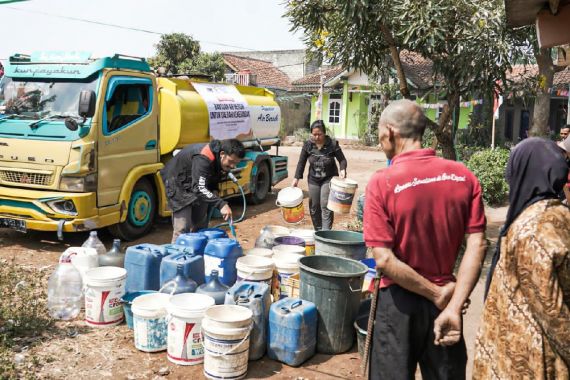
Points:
[(73, 350)]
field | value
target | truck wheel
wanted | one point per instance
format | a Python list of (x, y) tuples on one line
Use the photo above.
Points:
[(262, 182), (140, 213)]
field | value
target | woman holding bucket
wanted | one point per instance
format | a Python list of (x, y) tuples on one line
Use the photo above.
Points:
[(320, 150)]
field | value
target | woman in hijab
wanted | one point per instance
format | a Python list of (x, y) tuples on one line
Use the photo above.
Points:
[(525, 332)]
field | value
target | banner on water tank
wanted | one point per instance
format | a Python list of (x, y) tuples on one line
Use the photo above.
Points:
[(228, 111)]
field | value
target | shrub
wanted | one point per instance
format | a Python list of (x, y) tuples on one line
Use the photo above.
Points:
[(301, 134), (489, 167)]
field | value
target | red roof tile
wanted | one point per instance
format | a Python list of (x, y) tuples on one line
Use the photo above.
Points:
[(267, 74), (519, 73), (312, 81)]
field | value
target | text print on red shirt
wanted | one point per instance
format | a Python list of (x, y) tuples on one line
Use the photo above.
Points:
[(416, 182)]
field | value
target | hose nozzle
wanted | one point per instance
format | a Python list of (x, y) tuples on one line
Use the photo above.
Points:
[(232, 177)]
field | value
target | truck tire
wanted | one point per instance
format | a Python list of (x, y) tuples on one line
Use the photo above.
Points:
[(140, 213), (262, 183)]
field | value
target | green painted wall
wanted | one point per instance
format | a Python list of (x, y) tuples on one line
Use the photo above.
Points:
[(354, 113)]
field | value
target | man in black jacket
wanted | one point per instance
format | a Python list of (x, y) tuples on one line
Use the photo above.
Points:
[(191, 180)]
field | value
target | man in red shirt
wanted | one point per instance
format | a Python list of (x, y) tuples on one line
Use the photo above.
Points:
[(417, 213)]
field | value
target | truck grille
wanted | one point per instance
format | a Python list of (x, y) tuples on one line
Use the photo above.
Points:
[(30, 178)]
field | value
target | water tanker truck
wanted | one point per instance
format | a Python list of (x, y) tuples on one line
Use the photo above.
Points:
[(82, 140)]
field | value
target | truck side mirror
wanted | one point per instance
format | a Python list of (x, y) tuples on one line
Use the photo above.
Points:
[(86, 104)]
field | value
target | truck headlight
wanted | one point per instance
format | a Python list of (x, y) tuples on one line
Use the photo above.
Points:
[(86, 183), (63, 206)]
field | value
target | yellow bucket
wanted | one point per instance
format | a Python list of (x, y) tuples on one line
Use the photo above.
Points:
[(290, 200)]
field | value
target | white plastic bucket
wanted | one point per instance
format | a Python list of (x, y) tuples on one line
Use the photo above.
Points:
[(149, 321), (263, 252), (255, 268), (185, 312), (105, 286), (82, 259), (341, 194), (290, 200), (288, 249), (287, 265), (226, 331), (309, 237)]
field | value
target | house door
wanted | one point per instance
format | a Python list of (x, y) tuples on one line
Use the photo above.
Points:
[(334, 116)]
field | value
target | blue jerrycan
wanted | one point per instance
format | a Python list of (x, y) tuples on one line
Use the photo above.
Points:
[(292, 331), (142, 263), (256, 297)]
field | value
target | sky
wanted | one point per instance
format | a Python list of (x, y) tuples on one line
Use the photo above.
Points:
[(219, 25)]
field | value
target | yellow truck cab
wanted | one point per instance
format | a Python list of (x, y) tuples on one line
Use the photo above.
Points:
[(82, 140)]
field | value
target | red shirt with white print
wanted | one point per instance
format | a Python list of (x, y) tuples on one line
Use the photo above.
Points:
[(421, 207)]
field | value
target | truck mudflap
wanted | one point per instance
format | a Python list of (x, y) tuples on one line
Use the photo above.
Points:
[(23, 210)]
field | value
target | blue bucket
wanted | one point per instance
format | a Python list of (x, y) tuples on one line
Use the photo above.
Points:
[(127, 301)]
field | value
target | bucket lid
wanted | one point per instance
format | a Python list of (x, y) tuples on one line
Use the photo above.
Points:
[(287, 262), (290, 196), (128, 298), (344, 182), (189, 304), (254, 264), (340, 237), (287, 248), (263, 252), (104, 275), (229, 314), (150, 305)]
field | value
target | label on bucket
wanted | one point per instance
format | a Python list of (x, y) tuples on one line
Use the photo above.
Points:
[(185, 342), (213, 263), (218, 365), (293, 215), (103, 307), (150, 333), (267, 281), (309, 249), (286, 285), (340, 201)]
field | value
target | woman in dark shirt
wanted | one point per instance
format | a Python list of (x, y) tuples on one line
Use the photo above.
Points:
[(321, 152)]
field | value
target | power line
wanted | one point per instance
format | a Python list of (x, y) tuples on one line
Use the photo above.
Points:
[(118, 26)]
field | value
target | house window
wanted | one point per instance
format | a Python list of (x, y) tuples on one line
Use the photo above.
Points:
[(334, 111)]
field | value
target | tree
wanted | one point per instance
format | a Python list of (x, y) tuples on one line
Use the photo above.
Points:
[(212, 64), (179, 53), (175, 50), (467, 42)]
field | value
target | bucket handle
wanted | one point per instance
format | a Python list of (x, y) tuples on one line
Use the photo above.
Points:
[(353, 290), (297, 304), (277, 203), (168, 283), (246, 337)]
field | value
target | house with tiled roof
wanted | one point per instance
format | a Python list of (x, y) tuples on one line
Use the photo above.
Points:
[(515, 115), (349, 100), (255, 72), (251, 70)]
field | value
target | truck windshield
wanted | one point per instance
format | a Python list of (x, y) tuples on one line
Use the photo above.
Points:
[(37, 99)]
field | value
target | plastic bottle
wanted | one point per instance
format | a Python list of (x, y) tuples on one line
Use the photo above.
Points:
[(65, 290), (113, 258), (265, 239), (214, 288), (180, 284), (94, 242)]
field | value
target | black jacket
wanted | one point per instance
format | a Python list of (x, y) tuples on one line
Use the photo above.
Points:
[(192, 175), (321, 161)]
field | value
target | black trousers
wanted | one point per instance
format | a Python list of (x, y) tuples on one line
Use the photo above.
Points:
[(403, 337), (321, 216)]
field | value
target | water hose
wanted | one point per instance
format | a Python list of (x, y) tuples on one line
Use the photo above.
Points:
[(231, 222)]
